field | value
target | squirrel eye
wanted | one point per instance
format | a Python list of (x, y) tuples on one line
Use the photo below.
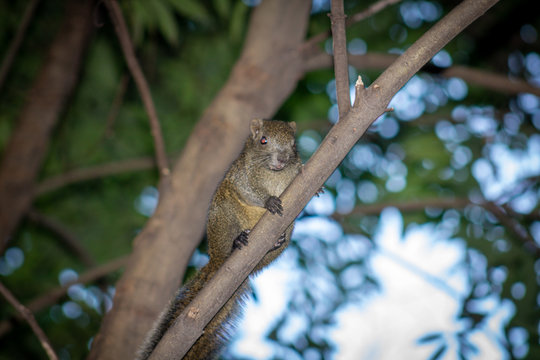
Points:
[(264, 140)]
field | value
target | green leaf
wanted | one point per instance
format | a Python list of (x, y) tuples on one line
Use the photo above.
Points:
[(142, 19), (165, 21), (191, 9), (223, 8)]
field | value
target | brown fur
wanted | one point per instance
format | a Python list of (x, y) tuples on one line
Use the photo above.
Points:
[(262, 171)]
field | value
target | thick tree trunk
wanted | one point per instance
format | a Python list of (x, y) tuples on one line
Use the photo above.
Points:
[(264, 76), (24, 154)]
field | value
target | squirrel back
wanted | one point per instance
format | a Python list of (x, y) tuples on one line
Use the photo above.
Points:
[(265, 167)]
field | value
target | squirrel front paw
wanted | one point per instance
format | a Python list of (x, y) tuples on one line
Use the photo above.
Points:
[(273, 204), (241, 240)]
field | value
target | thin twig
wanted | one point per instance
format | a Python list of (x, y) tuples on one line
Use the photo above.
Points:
[(415, 205), (378, 61), (341, 64), (370, 11), (53, 296), (69, 240), (29, 317), (133, 65), (499, 212), (116, 104), (94, 172), (17, 40), (513, 227)]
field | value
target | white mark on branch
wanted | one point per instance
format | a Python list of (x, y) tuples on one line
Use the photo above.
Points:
[(359, 89), (193, 312)]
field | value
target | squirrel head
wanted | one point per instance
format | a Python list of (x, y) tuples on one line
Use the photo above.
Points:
[(272, 143)]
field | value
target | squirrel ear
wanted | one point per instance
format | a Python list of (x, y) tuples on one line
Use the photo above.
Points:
[(292, 124), (255, 127)]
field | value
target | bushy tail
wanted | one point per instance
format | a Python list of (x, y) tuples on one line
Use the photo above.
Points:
[(215, 333)]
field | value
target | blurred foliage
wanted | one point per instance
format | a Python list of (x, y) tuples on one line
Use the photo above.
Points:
[(402, 158)]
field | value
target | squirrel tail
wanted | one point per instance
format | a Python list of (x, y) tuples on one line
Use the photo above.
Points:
[(215, 334)]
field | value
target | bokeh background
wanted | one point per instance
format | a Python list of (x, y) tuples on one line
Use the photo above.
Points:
[(425, 244)]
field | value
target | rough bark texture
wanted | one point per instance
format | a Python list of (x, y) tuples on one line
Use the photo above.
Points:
[(264, 76), (24, 154)]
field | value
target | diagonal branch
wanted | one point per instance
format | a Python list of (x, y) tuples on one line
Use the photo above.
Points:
[(133, 65), (263, 77), (341, 64), (513, 227), (53, 296), (341, 138), (17, 41), (29, 317), (66, 237)]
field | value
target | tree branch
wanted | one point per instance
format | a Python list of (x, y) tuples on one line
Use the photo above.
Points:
[(415, 205), (499, 212), (17, 40), (69, 240), (29, 317), (265, 74), (379, 61), (133, 65), (23, 156), (94, 172), (341, 64), (53, 296), (370, 11), (190, 324), (513, 227), (116, 104)]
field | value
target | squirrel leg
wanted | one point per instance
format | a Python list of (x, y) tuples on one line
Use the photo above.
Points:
[(241, 240), (273, 204)]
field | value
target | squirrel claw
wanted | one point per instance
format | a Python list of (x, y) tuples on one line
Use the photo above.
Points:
[(279, 242), (320, 191), (273, 204), (241, 240)]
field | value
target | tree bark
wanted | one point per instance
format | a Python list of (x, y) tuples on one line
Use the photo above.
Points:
[(25, 152), (263, 77)]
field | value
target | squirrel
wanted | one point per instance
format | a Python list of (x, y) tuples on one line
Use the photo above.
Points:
[(266, 166)]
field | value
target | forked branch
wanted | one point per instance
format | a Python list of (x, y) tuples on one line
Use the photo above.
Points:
[(341, 138)]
